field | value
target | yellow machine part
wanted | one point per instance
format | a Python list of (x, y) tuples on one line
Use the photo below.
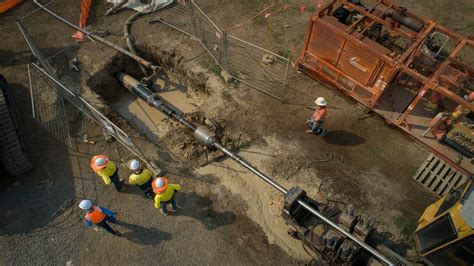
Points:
[(445, 215)]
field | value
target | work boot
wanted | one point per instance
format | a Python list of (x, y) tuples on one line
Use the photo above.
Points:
[(123, 189), (324, 133), (117, 233), (164, 213)]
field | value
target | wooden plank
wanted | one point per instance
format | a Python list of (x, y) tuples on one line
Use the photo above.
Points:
[(427, 174), (438, 178), (460, 181), (447, 178), (439, 164), (454, 181), (423, 168)]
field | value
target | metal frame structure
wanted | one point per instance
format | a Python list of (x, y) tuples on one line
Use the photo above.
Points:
[(363, 69)]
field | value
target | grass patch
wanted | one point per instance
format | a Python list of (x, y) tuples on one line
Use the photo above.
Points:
[(211, 65), (406, 226), (216, 69)]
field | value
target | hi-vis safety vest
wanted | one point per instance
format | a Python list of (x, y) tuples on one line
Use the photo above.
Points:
[(97, 169), (96, 216)]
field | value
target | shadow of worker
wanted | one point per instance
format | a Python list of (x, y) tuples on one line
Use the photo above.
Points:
[(343, 138), (143, 235), (200, 208)]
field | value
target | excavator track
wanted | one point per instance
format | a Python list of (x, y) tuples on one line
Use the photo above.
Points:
[(13, 155)]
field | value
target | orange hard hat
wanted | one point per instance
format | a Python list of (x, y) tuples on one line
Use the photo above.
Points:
[(99, 162), (160, 185)]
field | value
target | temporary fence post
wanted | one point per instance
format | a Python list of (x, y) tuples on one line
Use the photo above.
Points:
[(36, 50), (31, 91), (225, 59), (193, 17), (284, 80)]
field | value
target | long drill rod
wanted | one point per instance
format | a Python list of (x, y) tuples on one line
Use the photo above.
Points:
[(145, 94)]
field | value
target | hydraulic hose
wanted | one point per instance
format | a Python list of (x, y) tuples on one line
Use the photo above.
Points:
[(142, 92), (129, 38)]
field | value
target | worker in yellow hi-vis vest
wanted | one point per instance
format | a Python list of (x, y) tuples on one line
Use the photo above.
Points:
[(165, 194), (141, 177), (105, 168)]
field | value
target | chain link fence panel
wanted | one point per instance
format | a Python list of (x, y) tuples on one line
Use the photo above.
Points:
[(256, 67), (48, 107), (46, 90)]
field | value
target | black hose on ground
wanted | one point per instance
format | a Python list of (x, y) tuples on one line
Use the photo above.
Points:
[(129, 38)]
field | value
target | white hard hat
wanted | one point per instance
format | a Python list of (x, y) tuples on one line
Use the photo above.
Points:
[(133, 165), (100, 162), (320, 101), (159, 182), (85, 204)]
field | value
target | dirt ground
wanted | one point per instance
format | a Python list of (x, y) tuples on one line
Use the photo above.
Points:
[(228, 216)]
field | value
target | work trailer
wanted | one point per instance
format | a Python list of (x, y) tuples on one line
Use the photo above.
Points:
[(415, 73)]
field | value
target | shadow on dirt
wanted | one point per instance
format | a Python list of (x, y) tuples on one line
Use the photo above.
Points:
[(385, 239), (343, 138), (200, 208), (11, 58), (143, 235), (31, 200)]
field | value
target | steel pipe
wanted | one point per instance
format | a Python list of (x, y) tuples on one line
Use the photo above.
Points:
[(247, 165), (206, 138), (152, 99), (135, 57)]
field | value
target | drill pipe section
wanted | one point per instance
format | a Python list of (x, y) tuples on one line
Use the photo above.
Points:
[(152, 99), (207, 138), (94, 36)]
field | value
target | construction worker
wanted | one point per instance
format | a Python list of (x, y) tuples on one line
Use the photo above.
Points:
[(165, 194), (108, 171), (318, 118), (141, 177), (99, 216)]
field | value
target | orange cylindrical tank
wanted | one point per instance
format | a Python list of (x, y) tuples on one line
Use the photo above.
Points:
[(7, 4)]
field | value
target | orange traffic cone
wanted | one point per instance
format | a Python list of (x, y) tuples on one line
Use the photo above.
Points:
[(85, 8)]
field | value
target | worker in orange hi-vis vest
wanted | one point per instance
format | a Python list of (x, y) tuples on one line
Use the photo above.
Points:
[(165, 194), (318, 117), (99, 216), (85, 9), (102, 166)]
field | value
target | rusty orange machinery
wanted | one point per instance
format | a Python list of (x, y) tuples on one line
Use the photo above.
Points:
[(402, 66), (5, 5)]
